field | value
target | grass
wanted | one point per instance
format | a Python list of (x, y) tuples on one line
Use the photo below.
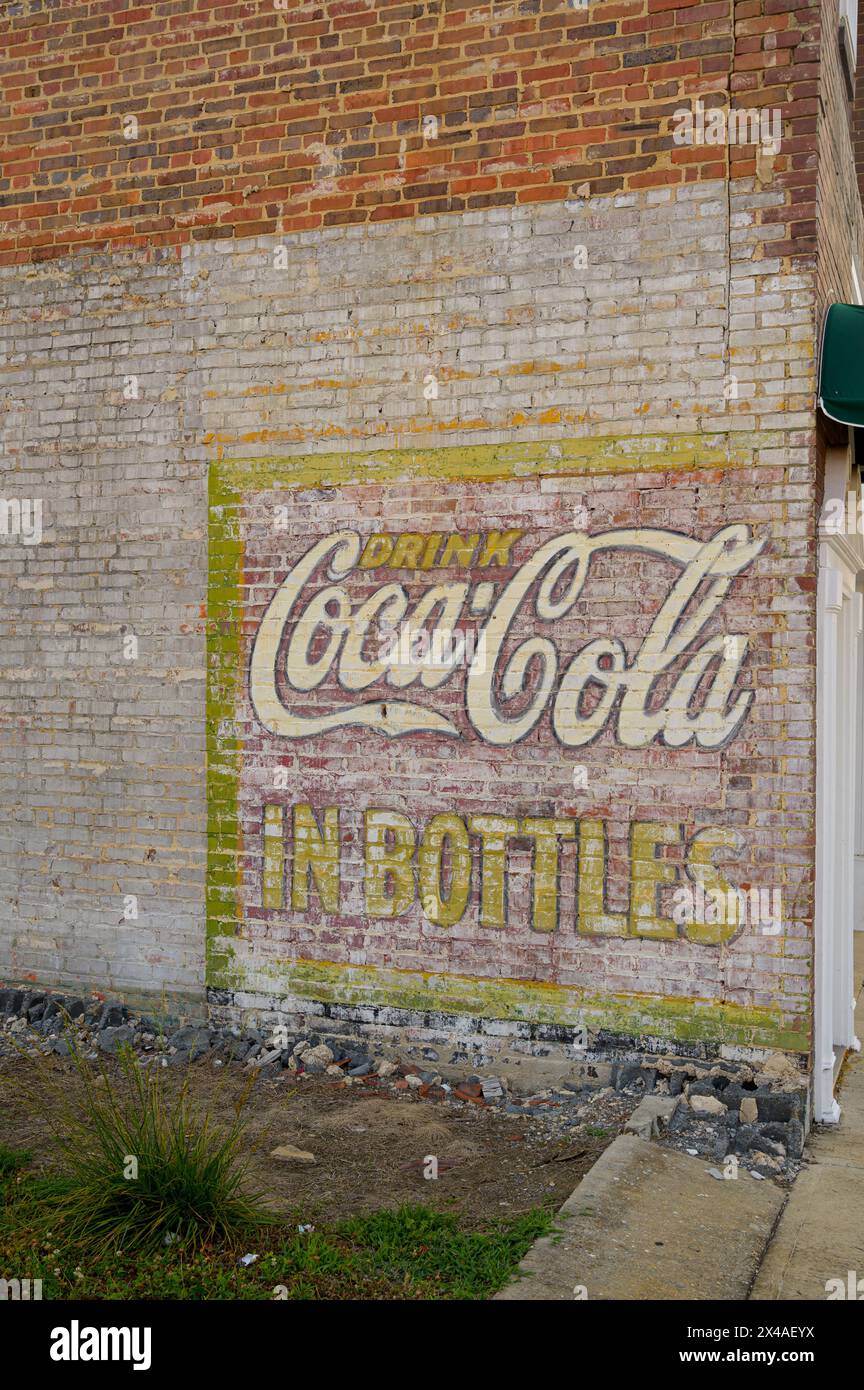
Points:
[(139, 1170), (95, 1230), (12, 1159), (411, 1253)]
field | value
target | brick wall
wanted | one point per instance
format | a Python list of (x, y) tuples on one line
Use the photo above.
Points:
[(218, 327), (841, 238), (103, 783), (858, 112), (198, 120)]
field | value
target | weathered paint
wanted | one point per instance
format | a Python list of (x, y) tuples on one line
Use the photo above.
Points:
[(295, 869)]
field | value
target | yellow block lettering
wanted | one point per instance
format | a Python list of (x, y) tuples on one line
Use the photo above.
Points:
[(376, 551), (701, 868), (546, 831), (494, 832), (459, 550), (444, 912), (318, 855), (498, 546), (407, 551), (274, 857), (594, 919), (646, 873), (389, 876)]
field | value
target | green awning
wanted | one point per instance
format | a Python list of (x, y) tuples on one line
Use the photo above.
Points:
[(841, 373)]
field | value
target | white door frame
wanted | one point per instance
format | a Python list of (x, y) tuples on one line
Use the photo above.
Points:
[(838, 794)]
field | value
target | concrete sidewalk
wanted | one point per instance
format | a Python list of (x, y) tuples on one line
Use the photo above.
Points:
[(821, 1233), (647, 1222)]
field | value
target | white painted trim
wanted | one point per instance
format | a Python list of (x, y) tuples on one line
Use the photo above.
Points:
[(849, 20), (838, 705)]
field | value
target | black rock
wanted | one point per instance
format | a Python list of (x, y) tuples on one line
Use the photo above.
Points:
[(744, 1137), (720, 1147), (112, 1016), (775, 1130), (795, 1139), (109, 1039), (773, 1106), (719, 1092), (762, 1144), (10, 1001), (192, 1039), (680, 1121)]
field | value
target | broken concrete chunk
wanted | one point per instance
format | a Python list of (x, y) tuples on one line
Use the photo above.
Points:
[(651, 1116), (707, 1105), (780, 1070), (492, 1088), (286, 1153), (767, 1164)]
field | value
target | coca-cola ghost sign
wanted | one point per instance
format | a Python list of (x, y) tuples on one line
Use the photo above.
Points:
[(324, 631)]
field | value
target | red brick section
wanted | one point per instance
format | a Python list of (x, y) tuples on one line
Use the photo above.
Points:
[(858, 106), (776, 66), (254, 119)]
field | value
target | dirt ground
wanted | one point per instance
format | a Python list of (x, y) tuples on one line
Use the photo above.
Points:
[(370, 1142)]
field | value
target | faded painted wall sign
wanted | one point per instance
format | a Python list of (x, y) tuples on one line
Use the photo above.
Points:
[(436, 865), (319, 629), (472, 741)]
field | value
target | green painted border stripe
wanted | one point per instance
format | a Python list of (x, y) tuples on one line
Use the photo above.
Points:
[(489, 462), (224, 673), (527, 1001)]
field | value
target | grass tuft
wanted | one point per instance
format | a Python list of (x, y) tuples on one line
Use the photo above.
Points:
[(12, 1159), (140, 1169)]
